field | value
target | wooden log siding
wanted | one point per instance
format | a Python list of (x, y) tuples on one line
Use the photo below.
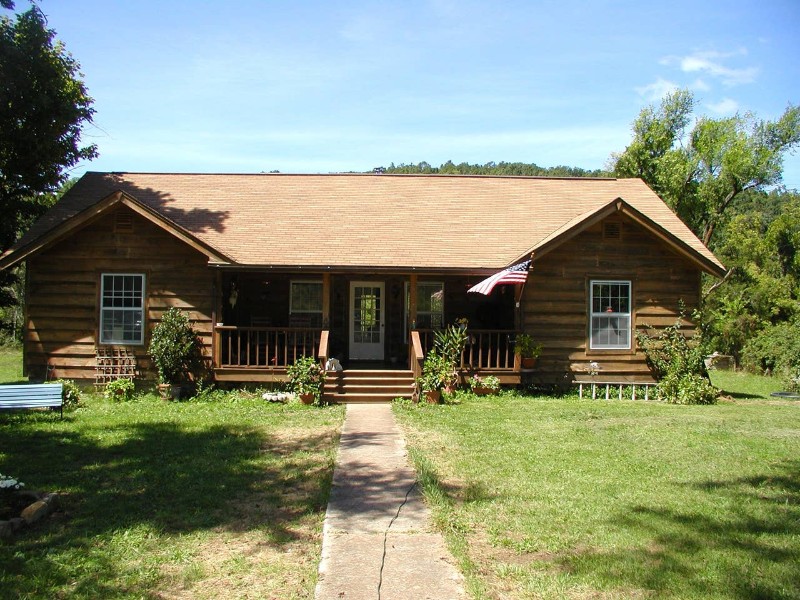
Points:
[(63, 292), (556, 300)]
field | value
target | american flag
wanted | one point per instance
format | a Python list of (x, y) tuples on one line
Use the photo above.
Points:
[(514, 274)]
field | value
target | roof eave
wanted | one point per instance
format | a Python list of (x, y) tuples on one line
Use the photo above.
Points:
[(620, 206), (94, 212)]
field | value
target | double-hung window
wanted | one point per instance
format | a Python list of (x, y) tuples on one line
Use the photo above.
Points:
[(305, 303), (610, 320), (122, 308), (430, 305)]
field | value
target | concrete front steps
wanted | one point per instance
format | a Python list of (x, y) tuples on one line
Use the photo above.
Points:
[(359, 386)]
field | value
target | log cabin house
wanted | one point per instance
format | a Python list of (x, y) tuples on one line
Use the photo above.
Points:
[(358, 267)]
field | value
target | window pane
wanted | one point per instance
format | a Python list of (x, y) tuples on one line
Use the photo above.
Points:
[(306, 296), (610, 321), (121, 311)]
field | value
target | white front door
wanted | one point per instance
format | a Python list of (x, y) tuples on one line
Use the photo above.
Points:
[(366, 320)]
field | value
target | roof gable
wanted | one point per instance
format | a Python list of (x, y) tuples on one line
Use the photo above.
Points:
[(370, 221), (32, 244)]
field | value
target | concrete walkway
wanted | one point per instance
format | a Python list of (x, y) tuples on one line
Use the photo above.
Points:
[(378, 540)]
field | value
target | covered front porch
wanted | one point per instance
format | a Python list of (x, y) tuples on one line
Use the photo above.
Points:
[(264, 321)]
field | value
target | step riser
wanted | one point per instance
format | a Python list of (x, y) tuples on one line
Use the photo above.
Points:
[(368, 386)]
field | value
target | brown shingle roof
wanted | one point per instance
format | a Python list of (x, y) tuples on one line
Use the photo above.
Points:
[(379, 221)]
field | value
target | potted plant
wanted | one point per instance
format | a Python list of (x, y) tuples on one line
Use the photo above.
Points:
[(484, 386), (528, 350), (176, 351), (449, 344), (306, 379), (435, 373)]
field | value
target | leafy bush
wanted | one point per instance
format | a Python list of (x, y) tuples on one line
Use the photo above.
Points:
[(776, 350), (176, 348), (120, 390), (437, 372), (686, 388), (306, 376), (677, 364), (70, 392)]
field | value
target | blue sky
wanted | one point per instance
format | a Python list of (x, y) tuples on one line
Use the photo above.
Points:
[(339, 86)]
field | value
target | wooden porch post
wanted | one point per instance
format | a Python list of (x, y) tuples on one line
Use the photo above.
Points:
[(412, 301), (216, 315), (326, 300)]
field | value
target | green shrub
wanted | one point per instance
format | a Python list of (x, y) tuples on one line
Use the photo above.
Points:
[(70, 392), (775, 350), (176, 348), (306, 376), (120, 390), (688, 388), (676, 362)]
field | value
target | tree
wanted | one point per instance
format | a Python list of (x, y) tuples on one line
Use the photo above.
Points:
[(43, 108), (702, 174)]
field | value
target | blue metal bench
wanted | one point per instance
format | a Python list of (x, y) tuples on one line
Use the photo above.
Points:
[(32, 395)]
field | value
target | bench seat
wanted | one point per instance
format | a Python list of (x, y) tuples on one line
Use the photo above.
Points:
[(32, 395)]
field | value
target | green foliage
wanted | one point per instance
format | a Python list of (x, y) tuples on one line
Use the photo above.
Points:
[(176, 349), (450, 343), (677, 364), (489, 382), (437, 372), (306, 376), (120, 390), (527, 347), (701, 174), (70, 392), (493, 168), (44, 108), (776, 350), (760, 245), (440, 367)]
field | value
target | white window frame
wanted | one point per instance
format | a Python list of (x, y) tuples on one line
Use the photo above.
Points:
[(407, 297), (615, 319), (108, 312), (305, 311)]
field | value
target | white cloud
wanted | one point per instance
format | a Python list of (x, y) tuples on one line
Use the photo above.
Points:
[(711, 62), (726, 106), (657, 90)]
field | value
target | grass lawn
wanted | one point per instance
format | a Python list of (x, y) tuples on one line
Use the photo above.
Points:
[(567, 498), (171, 500), (11, 365)]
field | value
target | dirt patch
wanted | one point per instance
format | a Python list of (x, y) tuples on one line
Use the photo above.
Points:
[(271, 546)]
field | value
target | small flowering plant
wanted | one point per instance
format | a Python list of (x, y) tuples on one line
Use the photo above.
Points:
[(9, 483), (489, 382)]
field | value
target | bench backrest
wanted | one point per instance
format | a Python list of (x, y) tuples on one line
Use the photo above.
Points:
[(33, 395)]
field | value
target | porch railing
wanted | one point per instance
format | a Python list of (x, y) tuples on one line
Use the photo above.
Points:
[(266, 347), (485, 349)]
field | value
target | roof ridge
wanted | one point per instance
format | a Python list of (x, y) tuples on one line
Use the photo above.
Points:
[(359, 174)]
